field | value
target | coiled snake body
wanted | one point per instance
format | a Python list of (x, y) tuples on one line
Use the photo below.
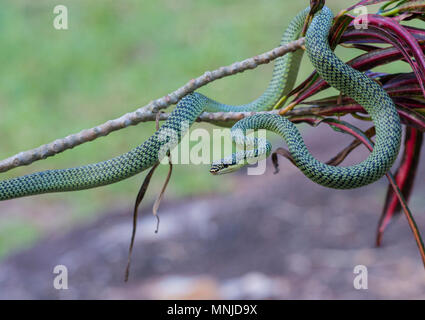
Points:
[(353, 83)]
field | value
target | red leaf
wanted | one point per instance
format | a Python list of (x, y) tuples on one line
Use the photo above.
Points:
[(346, 127), (411, 117), (388, 30), (404, 177), (365, 3), (385, 30)]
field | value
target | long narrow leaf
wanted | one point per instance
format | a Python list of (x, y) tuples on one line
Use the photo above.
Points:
[(386, 30), (404, 177), (365, 3), (363, 62), (348, 128), (361, 136)]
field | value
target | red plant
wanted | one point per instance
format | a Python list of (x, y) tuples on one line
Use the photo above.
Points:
[(385, 39)]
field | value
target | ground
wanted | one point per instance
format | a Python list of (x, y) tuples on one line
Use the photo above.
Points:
[(275, 236)]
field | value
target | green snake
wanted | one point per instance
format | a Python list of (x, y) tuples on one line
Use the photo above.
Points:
[(154, 149), (349, 81), (339, 75)]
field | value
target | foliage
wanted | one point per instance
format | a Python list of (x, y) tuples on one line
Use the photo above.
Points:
[(114, 58), (386, 38)]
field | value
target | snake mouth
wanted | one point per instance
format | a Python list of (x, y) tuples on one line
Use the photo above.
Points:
[(215, 171), (219, 168)]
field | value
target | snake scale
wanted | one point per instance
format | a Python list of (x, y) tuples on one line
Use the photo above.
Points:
[(351, 82), (339, 75)]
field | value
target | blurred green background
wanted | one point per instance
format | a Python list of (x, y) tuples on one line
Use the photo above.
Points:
[(115, 57)]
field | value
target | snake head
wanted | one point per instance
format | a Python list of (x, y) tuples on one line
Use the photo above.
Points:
[(219, 168), (226, 165)]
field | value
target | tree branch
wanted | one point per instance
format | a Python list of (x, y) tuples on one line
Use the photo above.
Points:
[(145, 113)]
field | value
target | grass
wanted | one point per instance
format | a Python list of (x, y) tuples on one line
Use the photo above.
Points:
[(115, 57)]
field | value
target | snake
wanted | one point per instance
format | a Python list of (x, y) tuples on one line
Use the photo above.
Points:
[(348, 81), (155, 148)]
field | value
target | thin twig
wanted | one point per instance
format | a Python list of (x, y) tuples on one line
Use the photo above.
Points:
[(164, 187), (145, 113), (140, 196), (335, 161), (340, 157), (284, 153), (161, 193), (139, 199)]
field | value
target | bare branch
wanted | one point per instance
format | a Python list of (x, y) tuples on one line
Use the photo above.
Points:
[(146, 113)]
